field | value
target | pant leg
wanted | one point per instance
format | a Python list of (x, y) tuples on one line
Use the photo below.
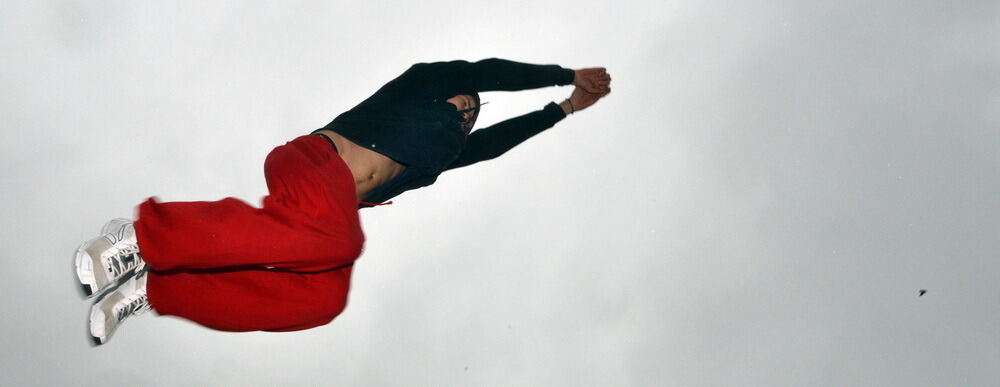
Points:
[(209, 259), (308, 221), (251, 300)]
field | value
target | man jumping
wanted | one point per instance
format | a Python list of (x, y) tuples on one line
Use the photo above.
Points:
[(287, 265)]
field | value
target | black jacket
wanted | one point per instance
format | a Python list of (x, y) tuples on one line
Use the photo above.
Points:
[(410, 121)]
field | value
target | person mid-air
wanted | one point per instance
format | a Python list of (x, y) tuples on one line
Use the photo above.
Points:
[(287, 265)]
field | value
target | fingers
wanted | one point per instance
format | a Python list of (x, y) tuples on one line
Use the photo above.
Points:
[(597, 85), (593, 80), (602, 80)]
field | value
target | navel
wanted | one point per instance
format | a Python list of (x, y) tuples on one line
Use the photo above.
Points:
[(364, 179)]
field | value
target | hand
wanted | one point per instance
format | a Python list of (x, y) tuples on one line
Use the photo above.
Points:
[(593, 80), (580, 99)]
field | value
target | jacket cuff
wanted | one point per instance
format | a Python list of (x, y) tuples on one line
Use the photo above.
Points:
[(566, 78), (554, 112)]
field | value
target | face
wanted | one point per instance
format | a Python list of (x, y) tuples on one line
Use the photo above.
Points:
[(466, 102)]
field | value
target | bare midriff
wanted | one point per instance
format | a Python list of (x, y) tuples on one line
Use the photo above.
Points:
[(369, 168)]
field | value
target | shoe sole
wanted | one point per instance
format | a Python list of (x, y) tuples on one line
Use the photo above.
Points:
[(98, 322), (85, 272)]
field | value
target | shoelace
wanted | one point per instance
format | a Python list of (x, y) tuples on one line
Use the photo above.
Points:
[(123, 260), (135, 304)]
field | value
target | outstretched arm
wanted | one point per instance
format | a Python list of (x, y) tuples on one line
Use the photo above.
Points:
[(491, 142), (445, 79)]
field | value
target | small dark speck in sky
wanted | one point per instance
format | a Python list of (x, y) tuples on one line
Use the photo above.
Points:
[(922, 291)]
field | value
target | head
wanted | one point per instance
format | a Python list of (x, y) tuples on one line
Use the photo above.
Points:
[(468, 106)]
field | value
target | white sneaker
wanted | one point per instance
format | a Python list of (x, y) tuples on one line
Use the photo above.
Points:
[(114, 308), (102, 262)]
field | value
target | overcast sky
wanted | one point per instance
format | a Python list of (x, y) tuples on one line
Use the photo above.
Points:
[(757, 203)]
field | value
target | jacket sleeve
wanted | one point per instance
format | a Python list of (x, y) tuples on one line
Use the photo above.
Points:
[(446, 79), (491, 142)]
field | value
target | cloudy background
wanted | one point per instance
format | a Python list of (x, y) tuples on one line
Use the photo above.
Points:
[(756, 203)]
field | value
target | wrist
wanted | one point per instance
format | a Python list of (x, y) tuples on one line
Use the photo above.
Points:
[(571, 77), (567, 107)]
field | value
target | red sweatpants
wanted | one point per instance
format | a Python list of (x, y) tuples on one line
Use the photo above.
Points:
[(284, 267)]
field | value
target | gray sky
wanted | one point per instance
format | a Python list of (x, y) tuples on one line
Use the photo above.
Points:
[(756, 203)]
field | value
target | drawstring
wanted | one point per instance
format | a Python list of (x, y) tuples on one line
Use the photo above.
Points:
[(376, 204)]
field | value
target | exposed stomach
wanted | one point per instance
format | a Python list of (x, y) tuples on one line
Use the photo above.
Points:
[(369, 168)]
